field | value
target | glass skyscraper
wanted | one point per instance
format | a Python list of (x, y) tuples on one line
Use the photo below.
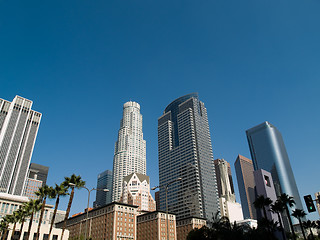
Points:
[(104, 181), (269, 153), (185, 151)]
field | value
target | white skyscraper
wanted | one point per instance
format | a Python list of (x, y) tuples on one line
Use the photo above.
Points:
[(130, 148), (18, 130)]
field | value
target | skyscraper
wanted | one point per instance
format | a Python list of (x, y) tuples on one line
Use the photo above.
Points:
[(185, 151), (246, 184), (224, 179), (104, 181), (269, 153), (130, 148), (18, 130), (37, 177), (228, 205)]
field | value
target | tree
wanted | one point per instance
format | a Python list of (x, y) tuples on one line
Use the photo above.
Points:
[(57, 191), (21, 215), (4, 225), (278, 208), (73, 182), (298, 213), (286, 201), (42, 193), (14, 219), (310, 224), (32, 207), (262, 202)]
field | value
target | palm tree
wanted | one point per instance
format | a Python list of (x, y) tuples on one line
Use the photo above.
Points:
[(15, 219), (286, 201), (278, 208), (26, 213), (262, 202), (59, 190), (298, 213), (310, 224), (73, 182), (32, 207), (4, 225), (42, 193), (21, 215)]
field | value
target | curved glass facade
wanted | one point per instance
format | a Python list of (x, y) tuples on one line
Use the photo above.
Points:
[(269, 153)]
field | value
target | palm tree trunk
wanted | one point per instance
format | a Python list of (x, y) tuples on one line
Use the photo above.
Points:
[(30, 225), (304, 235), (67, 213), (281, 226), (54, 215), (264, 212), (290, 223), (13, 230), (21, 228), (311, 233), (41, 216), (5, 233)]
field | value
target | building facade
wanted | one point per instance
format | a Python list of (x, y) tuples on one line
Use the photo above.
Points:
[(136, 191), (104, 181), (113, 221), (246, 185), (37, 177), (18, 131), (184, 226), (153, 226), (268, 152), (185, 151), (130, 148), (227, 198), (10, 203), (265, 187)]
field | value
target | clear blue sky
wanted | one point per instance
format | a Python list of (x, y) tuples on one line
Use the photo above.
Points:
[(79, 61)]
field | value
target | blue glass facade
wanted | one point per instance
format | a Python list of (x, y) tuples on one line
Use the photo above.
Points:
[(269, 153), (104, 181)]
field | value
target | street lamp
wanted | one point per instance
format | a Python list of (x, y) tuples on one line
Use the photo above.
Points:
[(89, 191), (167, 217)]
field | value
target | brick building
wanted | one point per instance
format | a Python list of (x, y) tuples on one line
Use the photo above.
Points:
[(110, 222), (184, 226), (153, 226)]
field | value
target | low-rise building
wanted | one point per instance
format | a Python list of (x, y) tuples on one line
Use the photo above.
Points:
[(184, 226), (113, 221), (136, 191), (10, 203), (153, 226)]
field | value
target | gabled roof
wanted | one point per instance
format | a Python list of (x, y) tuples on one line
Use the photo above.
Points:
[(140, 176)]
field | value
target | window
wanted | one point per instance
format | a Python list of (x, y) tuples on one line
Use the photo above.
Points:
[(267, 181)]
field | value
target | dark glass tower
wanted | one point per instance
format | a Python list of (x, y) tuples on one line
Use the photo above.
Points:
[(269, 153), (104, 181), (185, 151)]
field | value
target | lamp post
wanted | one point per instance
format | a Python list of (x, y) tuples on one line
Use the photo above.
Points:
[(87, 215), (166, 187)]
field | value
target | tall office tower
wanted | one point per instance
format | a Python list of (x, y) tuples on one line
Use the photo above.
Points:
[(228, 205), (246, 185), (39, 172), (224, 179), (104, 181), (185, 151), (130, 148), (269, 153), (37, 177), (136, 191), (18, 131)]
